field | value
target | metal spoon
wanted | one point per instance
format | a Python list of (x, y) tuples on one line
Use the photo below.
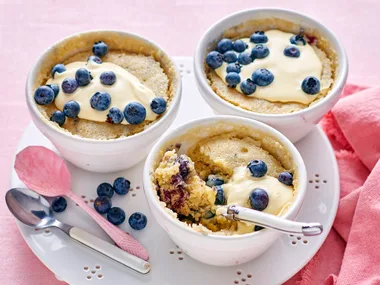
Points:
[(34, 210), (273, 222)]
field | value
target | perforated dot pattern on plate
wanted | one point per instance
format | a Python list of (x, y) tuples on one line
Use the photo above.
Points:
[(93, 272)]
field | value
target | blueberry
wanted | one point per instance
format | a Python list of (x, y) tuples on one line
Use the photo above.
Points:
[(220, 198), (262, 77), (94, 59), (224, 45), (286, 178), (137, 221), (298, 40), (100, 49), (158, 105), (69, 85), (108, 77), (121, 186), (245, 58), (58, 68), (58, 117), (100, 101), (259, 51), (258, 228), (71, 109), (115, 116), (259, 37), (310, 85), (230, 56), (259, 199), (214, 59), (44, 95), (102, 204), (232, 79), (83, 77), (116, 216), (239, 46), (59, 204), (292, 51), (105, 189), (55, 89), (258, 168), (233, 67), (213, 180), (134, 113), (248, 87)]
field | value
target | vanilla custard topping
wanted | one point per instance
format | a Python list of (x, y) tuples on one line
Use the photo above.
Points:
[(289, 72), (126, 89)]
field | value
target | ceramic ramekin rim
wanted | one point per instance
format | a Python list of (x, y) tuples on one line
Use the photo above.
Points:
[(149, 192), (205, 41), (65, 134)]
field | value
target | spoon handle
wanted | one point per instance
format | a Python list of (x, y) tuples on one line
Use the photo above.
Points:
[(110, 250), (121, 238), (273, 222)]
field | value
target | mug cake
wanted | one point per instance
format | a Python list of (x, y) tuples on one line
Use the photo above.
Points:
[(271, 66)]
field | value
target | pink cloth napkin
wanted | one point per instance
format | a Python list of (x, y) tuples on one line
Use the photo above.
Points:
[(351, 253)]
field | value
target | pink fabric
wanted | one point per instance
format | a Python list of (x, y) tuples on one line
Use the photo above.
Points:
[(351, 253), (29, 27)]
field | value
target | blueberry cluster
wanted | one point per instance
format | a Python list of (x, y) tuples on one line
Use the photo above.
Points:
[(116, 215), (134, 112)]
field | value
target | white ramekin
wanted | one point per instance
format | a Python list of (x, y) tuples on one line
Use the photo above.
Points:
[(211, 248), (102, 155), (294, 125)]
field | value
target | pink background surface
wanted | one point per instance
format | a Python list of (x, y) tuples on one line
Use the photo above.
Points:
[(29, 27)]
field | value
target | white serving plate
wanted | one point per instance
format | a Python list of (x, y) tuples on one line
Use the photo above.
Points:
[(76, 264)]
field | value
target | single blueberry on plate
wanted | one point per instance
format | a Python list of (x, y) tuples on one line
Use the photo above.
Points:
[(58, 117), (220, 197), (286, 178), (230, 56), (100, 49), (262, 77), (292, 51), (137, 221), (310, 85), (213, 180), (245, 58), (233, 67), (115, 116), (58, 68), (224, 45), (69, 85), (258, 168), (116, 216), (232, 79), (258, 228), (214, 59), (105, 189), (102, 204), (259, 199), (298, 40), (135, 113), (259, 37), (83, 77), (239, 46), (59, 204), (108, 77), (94, 59), (259, 51), (44, 95), (55, 89), (71, 109), (158, 105), (121, 185), (248, 87), (100, 101)]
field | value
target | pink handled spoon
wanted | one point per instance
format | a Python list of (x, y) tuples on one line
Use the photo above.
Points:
[(45, 172)]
